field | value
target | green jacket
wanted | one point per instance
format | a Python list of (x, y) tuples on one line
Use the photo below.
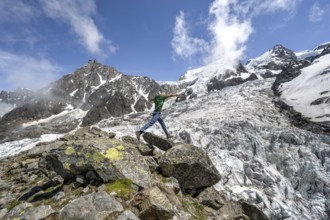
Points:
[(159, 102)]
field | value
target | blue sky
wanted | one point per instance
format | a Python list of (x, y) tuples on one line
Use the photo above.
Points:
[(41, 40)]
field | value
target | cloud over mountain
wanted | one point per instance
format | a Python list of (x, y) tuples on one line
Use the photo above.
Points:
[(26, 72), (230, 24)]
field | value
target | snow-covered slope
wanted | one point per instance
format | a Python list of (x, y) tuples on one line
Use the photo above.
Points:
[(262, 159), (309, 93), (201, 80), (308, 54)]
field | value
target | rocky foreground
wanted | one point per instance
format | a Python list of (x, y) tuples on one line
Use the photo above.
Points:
[(93, 175)]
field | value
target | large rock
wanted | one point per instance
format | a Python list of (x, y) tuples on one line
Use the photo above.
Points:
[(40, 212), (18, 210), (157, 141), (127, 215), (152, 203), (190, 165), (144, 149), (110, 159), (93, 206), (211, 197)]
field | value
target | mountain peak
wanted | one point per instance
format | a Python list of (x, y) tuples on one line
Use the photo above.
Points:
[(272, 62), (282, 52)]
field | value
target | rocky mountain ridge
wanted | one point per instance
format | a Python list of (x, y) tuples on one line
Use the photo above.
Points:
[(90, 94)]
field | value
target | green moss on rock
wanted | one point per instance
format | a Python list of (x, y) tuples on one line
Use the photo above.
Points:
[(123, 188), (69, 150)]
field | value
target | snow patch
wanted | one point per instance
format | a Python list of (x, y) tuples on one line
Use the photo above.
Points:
[(201, 76), (15, 147), (75, 113), (307, 87), (307, 54), (74, 92)]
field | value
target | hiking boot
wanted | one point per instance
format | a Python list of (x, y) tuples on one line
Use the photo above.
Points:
[(138, 135)]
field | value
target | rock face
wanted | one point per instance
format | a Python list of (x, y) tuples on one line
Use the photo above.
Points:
[(222, 81), (190, 166), (273, 61), (17, 97)]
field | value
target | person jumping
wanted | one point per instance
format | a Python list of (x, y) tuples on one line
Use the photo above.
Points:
[(156, 115)]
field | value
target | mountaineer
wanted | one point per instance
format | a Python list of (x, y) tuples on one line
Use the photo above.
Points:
[(156, 115)]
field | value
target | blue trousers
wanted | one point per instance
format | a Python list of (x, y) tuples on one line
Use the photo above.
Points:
[(155, 117)]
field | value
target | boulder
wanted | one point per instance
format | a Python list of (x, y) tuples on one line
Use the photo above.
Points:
[(92, 206), (152, 163), (18, 210), (152, 203), (127, 215), (253, 212), (190, 165), (109, 159), (3, 213), (157, 141), (144, 149), (211, 197), (40, 212)]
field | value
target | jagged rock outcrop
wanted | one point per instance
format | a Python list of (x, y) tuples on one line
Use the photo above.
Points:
[(274, 61), (17, 97), (230, 78)]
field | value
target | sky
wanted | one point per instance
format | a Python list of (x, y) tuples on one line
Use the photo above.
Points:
[(42, 40)]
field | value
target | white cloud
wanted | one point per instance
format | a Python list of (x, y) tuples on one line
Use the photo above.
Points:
[(316, 13), (230, 33), (183, 45), (78, 15), (17, 10), (230, 25), (19, 71)]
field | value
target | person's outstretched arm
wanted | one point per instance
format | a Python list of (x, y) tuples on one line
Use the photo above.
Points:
[(172, 95)]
